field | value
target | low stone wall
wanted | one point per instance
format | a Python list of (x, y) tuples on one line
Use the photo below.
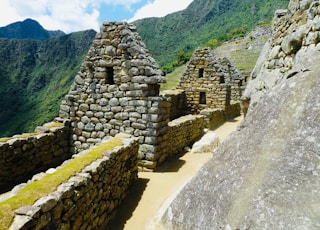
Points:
[(213, 117), (89, 198), (184, 131), (22, 156), (178, 102), (233, 110)]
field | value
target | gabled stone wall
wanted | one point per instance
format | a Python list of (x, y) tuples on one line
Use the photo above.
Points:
[(117, 90), (210, 82)]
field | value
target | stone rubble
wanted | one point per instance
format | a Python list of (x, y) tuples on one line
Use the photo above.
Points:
[(292, 48)]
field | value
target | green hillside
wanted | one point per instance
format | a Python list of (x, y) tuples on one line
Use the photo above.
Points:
[(202, 21), (242, 52), (35, 76)]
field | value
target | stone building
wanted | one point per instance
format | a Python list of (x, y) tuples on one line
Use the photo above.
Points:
[(209, 82), (117, 90)]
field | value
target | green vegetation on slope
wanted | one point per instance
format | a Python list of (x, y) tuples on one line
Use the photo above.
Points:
[(173, 78), (243, 53), (202, 21), (35, 76)]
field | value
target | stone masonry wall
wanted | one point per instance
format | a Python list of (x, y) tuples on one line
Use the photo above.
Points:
[(232, 111), (178, 103), (21, 156), (213, 118), (89, 198), (184, 132), (293, 48), (117, 90), (210, 82)]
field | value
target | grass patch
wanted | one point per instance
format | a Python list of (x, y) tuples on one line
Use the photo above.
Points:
[(53, 125), (4, 139), (27, 135), (173, 78), (34, 191)]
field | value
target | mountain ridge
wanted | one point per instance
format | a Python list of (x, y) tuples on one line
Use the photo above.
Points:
[(28, 29)]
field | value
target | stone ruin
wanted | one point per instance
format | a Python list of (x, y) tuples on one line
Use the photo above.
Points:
[(265, 175), (117, 90), (113, 106), (210, 83), (291, 49)]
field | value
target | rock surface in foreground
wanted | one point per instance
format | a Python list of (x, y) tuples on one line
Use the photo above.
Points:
[(266, 174)]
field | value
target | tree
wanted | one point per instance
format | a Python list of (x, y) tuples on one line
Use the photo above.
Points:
[(213, 43)]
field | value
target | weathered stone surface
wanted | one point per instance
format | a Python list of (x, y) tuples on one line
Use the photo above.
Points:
[(210, 83), (208, 143), (46, 203), (266, 174), (292, 48), (22, 222)]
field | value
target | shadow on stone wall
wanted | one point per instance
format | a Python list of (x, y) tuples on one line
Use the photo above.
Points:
[(124, 212)]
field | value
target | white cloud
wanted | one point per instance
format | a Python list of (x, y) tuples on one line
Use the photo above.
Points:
[(160, 8), (76, 15), (66, 15)]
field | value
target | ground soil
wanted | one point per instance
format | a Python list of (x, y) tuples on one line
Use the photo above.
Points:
[(153, 191)]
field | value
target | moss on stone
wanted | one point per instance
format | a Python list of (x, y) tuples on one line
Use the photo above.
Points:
[(53, 125), (4, 139), (37, 189)]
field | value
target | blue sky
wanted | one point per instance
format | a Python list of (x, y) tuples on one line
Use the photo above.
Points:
[(76, 15)]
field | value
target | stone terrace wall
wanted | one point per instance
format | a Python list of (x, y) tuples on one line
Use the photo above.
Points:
[(88, 199), (21, 156), (178, 102), (233, 110), (213, 117), (184, 131)]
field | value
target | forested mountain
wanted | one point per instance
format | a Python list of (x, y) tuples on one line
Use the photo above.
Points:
[(28, 29), (35, 75), (36, 70), (202, 21)]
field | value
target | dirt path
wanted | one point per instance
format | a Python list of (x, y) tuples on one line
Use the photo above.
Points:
[(154, 190)]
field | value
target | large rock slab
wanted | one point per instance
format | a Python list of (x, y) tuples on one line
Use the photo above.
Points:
[(266, 174)]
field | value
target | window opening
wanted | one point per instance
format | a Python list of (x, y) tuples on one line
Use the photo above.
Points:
[(222, 80), (203, 98), (201, 72), (109, 77)]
